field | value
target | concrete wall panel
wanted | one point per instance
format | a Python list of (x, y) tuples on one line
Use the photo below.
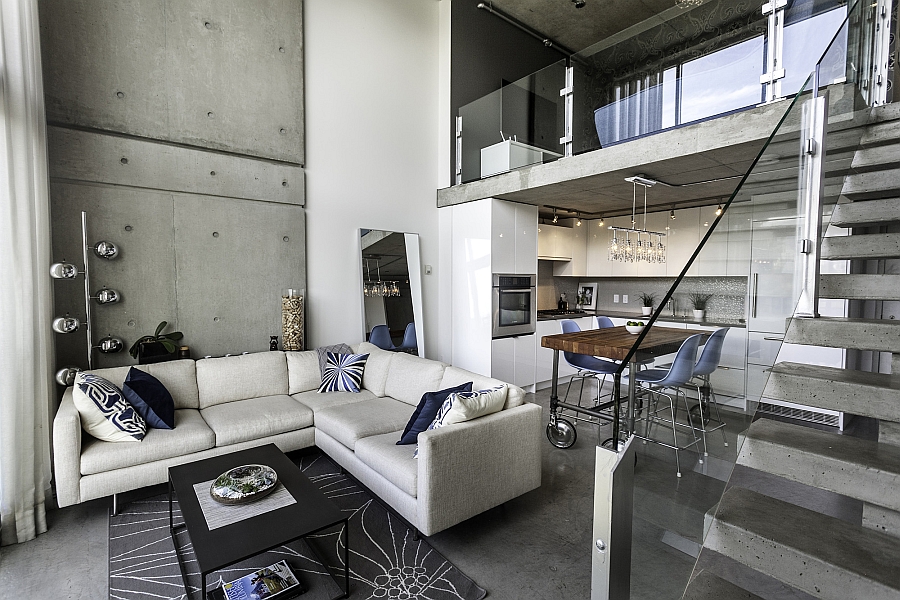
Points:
[(105, 64), (233, 264), (236, 76), (102, 158), (226, 75), (142, 272)]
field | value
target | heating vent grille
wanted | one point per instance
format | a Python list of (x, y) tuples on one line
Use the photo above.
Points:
[(799, 414)]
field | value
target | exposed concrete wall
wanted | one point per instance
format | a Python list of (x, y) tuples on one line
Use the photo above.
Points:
[(179, 128), (373, 104)]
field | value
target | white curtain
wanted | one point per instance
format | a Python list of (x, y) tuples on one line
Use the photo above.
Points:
[(25, 287)]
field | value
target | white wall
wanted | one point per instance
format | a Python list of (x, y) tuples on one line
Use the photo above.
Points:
[(373, 108)]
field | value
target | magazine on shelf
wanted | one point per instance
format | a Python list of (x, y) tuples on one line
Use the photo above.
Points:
[(274, 581)]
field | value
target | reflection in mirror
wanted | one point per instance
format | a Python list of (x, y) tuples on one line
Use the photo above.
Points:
[(392, 290)]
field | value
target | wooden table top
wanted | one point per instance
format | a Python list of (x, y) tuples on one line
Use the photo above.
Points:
[(615, 342)]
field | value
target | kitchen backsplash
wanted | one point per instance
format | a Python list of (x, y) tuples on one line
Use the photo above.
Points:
[(727, 302)]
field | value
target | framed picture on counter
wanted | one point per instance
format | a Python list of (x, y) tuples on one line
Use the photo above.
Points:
[(587, 294)]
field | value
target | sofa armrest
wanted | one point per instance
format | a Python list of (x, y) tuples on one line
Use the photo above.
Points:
[(468, 468), (67, 452)]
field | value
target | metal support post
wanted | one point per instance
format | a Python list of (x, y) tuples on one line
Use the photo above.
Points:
[(774, 50), (85, 253), (567, 93), (881, 53), (458, 150), (812, 185)]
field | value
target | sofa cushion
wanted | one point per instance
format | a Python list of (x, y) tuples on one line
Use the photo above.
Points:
[(426, 411), (350, 422), (410, 376), (179, 377), (375, 375), (343, 372), (221, 380), (316, 401), (105, 414), (303, 371), (394, 463), (465, 406), (515, 396), (244, 420), (191, 434), (150, 398)]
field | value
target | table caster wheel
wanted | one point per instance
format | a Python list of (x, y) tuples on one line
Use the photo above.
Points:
[(562, 434)]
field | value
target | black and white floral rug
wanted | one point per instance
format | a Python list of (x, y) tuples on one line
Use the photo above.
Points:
[(385, 561)]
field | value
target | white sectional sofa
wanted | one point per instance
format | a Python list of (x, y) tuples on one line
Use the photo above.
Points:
[(228, 404)]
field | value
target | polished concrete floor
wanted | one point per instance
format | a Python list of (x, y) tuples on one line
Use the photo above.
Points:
[(535, 546)]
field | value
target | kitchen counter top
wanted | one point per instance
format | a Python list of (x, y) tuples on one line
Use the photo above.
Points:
[(689, 320)]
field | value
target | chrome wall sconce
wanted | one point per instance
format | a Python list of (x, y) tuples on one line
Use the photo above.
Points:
[(110, 345), (66, 375), (63, 270), (65, 324)]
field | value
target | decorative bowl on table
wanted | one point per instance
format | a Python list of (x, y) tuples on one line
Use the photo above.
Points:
[(244, 484), (634, 327)]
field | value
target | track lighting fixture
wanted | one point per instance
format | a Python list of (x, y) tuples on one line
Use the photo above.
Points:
[(579, 3), (601, 221), (578, 221), (672, 213), (555, 217), (718, 210)]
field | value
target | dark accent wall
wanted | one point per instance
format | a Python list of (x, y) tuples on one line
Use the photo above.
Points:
[(485, 52)]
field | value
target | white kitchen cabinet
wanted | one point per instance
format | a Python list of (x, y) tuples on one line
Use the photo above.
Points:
[(577, 267), (526, 239), (513, 360), (597, 249), (513, 238), (555, 242), (739, 233), (713, 259), (684, 235)]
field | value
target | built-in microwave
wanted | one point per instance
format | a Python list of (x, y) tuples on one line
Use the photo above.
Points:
[(515, 305)]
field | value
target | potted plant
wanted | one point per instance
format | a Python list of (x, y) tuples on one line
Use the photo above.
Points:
[(647, 301), (155, 348), (699, 301)]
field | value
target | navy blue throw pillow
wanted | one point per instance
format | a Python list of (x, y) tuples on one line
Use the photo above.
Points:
[(150, 399), (425, 412)]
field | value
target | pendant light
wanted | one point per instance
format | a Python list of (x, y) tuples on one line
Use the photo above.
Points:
[(639, 245)]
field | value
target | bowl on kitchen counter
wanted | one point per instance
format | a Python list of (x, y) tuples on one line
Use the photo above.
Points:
[(634, 327)]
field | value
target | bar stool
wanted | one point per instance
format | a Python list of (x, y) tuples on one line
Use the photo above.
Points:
[(381, 337), (709, 360), (655, 380), (588, 367)]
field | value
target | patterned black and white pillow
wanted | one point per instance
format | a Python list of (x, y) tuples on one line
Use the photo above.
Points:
[(343, 372), (105, 414)]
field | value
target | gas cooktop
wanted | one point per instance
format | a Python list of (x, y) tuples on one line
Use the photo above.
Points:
[(556, 312)]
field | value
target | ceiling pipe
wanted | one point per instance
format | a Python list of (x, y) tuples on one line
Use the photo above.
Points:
[(519, 25)]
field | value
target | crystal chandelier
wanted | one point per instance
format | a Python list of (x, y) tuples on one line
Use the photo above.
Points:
[(379, 288), (628, 244)]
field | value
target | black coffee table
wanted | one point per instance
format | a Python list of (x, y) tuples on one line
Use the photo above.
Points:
[(239, 541)]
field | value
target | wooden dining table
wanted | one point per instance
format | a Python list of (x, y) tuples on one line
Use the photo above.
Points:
[(615, 343)]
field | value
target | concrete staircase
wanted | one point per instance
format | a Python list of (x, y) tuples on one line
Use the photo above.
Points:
[(817, 554)]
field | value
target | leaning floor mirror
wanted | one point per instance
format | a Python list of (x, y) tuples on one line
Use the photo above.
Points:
[(392, 290)]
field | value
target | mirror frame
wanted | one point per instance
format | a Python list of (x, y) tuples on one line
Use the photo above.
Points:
[(414, 267)]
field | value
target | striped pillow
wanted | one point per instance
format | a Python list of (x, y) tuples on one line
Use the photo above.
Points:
[(343, 372), (465, 406), (104, 411)]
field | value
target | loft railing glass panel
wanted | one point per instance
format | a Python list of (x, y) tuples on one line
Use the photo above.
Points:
[(519, 124), (804, 44)]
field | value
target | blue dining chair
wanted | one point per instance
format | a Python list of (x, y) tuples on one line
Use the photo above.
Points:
[(588, 367), (381, 337), (409, 343), (709, 360), (604, 322), (654, 381)]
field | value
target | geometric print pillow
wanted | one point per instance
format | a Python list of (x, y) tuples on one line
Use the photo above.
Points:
[(465, 406), (343, 372), (105, 414)]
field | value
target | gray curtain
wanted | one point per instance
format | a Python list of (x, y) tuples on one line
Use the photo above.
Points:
[(25, 289)]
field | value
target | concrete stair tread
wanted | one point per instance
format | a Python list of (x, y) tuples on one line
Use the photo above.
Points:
[(854, 467), (871, 184), (706, 586), (868, 212), (875, 395), (873, 245), (860, 287), (818, 554), (845, 332)]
